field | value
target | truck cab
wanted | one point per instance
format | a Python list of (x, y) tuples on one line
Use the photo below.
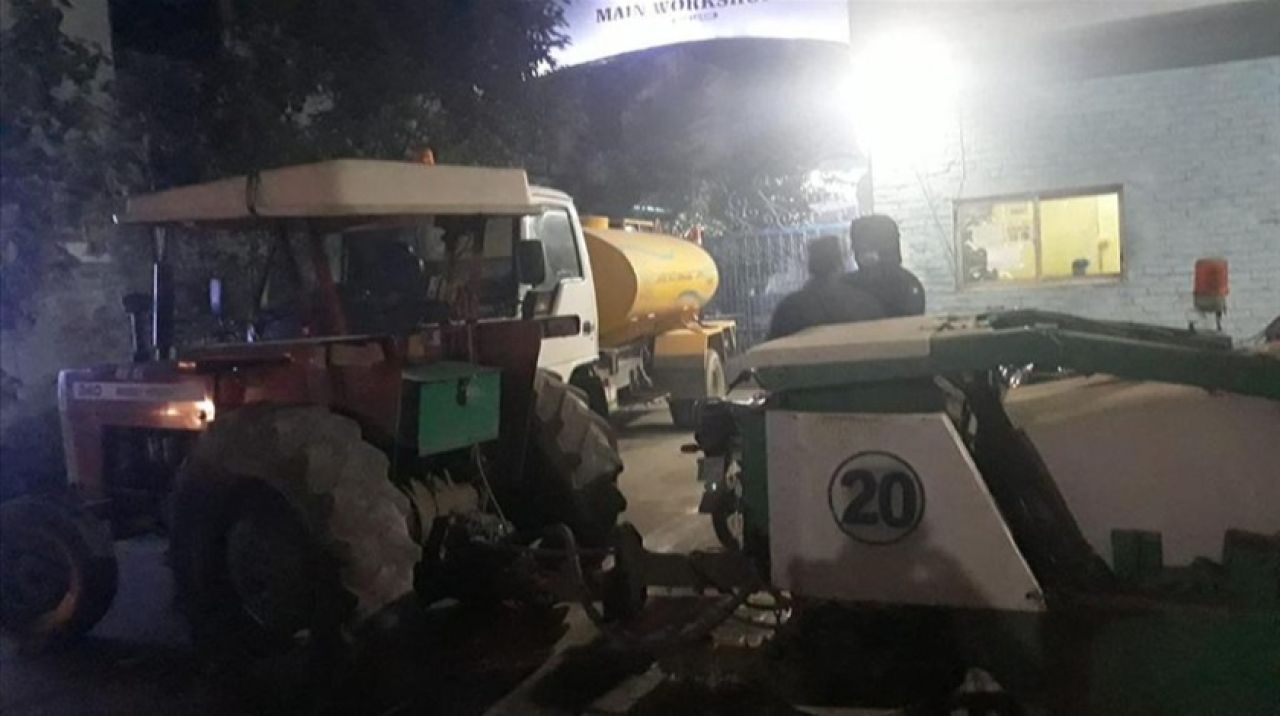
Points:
[(638, 295), (569, 287)]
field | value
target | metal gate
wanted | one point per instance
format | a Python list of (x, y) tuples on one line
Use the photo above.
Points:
[(757, 269)]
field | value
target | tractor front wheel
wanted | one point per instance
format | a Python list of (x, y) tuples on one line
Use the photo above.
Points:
[(57, 570), (287, 530)]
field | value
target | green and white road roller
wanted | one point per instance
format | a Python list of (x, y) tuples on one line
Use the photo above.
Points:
[(1086, 511)]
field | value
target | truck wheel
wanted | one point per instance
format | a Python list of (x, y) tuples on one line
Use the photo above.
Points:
[(575, 463), (57, 570), (684, 412), (286, 524), (586, 380)]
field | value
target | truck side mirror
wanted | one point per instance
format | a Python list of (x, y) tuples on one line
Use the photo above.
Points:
[(531, 262)]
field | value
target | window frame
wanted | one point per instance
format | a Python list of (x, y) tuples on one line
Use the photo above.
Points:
[(1035, 197)]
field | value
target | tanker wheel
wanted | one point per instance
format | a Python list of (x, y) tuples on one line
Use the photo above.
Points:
[(685, 412), (57, 570), (575, 463), (287, 532)]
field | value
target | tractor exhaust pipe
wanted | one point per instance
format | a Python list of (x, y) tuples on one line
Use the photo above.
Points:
[(162, 300), (137, 305)]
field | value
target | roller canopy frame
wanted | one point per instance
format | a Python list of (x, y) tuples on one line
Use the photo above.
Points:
[(930, 346)]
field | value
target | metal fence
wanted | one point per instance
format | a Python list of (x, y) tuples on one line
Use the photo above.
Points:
[(757, 269)]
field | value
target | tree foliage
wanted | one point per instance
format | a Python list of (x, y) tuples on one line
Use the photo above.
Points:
[(723, 134), (291, 81), (301, 81), (62, 158)]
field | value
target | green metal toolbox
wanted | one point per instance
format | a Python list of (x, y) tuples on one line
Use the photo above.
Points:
[(457, 405)]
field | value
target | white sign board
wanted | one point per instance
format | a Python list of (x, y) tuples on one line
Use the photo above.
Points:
[(603, 28)]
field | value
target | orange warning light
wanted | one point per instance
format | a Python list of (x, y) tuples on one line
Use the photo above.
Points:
[(1211, 285)]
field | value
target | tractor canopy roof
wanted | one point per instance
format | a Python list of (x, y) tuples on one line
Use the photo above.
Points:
[(339, 188), (924, 346)]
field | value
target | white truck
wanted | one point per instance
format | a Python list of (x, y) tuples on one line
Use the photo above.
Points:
[(639, 295)]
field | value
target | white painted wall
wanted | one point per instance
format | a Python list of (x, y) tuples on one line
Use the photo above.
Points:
[(1196, 150)]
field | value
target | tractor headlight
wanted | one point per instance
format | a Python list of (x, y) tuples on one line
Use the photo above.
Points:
[(206, 410)]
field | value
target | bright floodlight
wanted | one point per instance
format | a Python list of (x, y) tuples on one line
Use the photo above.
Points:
[(903, 94)]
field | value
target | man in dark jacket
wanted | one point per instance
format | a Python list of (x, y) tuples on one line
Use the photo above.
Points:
[(877, 249), (825, 298)]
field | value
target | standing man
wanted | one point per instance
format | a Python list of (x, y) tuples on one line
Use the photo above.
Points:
[(877, 249), (825, 298)]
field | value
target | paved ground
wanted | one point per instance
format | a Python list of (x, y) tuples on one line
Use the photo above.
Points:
[(661, 484), (138, 660)]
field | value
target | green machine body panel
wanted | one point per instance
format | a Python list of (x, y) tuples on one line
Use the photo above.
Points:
[(454, 405), (949, 346)]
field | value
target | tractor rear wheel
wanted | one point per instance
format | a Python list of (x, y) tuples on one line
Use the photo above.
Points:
[(57, 570), (575, 463), (286, 526)]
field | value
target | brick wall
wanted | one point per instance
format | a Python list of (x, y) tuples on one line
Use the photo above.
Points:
[(1196, 150)]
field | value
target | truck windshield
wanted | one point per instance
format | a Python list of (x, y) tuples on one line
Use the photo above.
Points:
[(553, 228)]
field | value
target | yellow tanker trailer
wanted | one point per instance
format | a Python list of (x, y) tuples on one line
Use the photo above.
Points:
[(650, 291)]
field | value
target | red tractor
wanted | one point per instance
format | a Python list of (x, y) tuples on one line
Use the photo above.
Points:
[(356, 417)]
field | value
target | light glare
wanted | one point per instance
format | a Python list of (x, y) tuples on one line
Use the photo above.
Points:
[(904, 86)]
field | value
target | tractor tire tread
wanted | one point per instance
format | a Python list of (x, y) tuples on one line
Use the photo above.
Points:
[(580, 450), (338, 484)]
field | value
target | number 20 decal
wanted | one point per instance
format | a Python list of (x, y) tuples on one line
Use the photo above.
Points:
[(876, 498)]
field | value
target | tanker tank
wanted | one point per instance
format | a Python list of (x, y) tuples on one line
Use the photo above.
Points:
[(647, 283)]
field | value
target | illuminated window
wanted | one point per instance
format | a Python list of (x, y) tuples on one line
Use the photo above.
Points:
[(1045, 237)]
